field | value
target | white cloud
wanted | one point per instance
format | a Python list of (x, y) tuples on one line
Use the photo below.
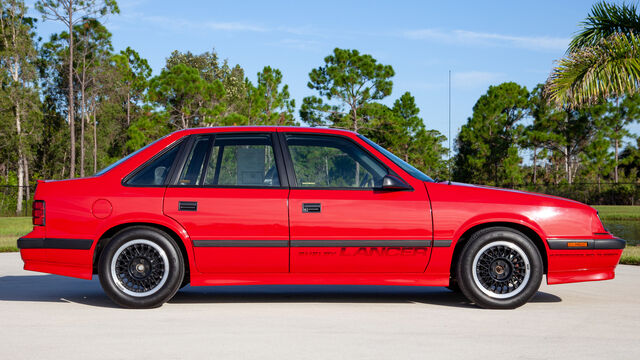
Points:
[(466, 37), (180, 23), (475, 79)]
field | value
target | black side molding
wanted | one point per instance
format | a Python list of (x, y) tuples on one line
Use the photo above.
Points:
[(241, 243), (586, 244), (54, 243), (360, 243), (442, 243), (321, 243)]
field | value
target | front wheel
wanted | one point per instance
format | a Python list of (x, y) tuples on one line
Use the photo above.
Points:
[(141, 268), (499, 268)]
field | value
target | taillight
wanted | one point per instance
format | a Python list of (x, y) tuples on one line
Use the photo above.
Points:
[(37, 212)]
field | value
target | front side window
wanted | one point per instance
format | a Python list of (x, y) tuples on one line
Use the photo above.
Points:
[(232, 160), (155, 173), (332, 162), (399, 162)]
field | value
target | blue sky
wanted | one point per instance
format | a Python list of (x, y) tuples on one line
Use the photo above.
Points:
[(482, 42)]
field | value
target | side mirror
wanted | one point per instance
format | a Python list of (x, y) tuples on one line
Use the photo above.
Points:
[(391, 182)]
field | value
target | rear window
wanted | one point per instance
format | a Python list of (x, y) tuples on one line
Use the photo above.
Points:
[(101, 172), (155, 172)]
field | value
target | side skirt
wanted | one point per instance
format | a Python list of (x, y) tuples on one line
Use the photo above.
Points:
[(398, 279)]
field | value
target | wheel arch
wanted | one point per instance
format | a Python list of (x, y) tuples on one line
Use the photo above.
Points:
[(532, 234), (111, 232)]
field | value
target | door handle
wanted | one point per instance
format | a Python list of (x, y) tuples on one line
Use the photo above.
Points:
[(187, 206), (311, 207)]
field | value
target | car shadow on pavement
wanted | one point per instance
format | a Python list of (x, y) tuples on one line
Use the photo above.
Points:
[(332, 294), (53, 288)]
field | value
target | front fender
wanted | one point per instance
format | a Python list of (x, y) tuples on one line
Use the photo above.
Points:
[(499, 217)]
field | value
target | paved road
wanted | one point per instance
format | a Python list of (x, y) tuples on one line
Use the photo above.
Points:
[(51, 317)]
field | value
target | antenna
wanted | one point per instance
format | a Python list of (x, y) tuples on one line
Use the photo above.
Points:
[(449, 136)]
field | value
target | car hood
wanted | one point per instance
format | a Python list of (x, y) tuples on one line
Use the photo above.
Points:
[(500, 195), (554, 215), (530, 193)]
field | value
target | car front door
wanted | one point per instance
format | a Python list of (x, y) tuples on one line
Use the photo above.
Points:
[(341, 220), (230, 199)]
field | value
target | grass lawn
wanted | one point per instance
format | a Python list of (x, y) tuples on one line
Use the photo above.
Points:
[(11, 228), (631, 255), (615, 212)]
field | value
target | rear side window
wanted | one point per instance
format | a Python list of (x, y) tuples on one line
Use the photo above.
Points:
[(232, 160), (192, 171), (155, 173)]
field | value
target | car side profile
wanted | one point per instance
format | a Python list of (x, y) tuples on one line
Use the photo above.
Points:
[(293, 205)]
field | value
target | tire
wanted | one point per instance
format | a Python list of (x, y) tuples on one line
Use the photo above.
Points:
[(185, 281), (141, 267), (454, 286), (499, 268)]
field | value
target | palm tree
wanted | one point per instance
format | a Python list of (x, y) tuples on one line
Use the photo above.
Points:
[(603, 59)]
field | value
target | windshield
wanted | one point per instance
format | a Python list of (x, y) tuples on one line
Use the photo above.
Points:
[(396, 160), (127, 157)]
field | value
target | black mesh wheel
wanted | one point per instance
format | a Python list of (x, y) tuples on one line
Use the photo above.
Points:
[(499, 268), (141, 267)]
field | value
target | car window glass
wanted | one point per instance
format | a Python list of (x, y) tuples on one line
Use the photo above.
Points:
[(242, 160), (329, 161), (396, 160), (156, 172), (130, 156), (191, 173)]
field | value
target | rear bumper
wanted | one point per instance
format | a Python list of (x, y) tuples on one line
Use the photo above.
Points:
[(54, 243), (67, 257), (576, 260)]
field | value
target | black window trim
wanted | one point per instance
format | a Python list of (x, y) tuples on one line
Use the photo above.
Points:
[(284, 163), (278, 157), (181, 142), (291, 172)]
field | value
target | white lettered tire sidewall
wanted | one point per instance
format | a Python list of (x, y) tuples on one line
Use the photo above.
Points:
[(500, 236), (167, 250)]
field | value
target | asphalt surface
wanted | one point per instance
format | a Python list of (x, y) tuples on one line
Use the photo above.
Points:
[(52, 317)]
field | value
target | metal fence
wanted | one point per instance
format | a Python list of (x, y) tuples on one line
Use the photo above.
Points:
[(589, 193)]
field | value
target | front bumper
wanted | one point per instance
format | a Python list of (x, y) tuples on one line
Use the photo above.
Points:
[(576, 260), (582, 244)]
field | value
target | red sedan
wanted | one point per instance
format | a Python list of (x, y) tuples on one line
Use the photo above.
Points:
[(289, 205)]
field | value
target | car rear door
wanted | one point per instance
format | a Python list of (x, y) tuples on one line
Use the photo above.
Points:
[(340, 219), (231, 199)]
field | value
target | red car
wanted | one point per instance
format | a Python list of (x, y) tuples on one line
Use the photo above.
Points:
[(289, 205)]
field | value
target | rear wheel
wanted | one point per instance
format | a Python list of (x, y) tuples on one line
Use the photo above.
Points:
[(141, 268), (453, 285), (499, 268)]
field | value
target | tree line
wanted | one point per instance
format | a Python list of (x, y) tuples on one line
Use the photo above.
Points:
[(564, 145), (71, 105)]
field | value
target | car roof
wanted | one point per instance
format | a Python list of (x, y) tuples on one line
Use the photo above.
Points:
[(321, 130)]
